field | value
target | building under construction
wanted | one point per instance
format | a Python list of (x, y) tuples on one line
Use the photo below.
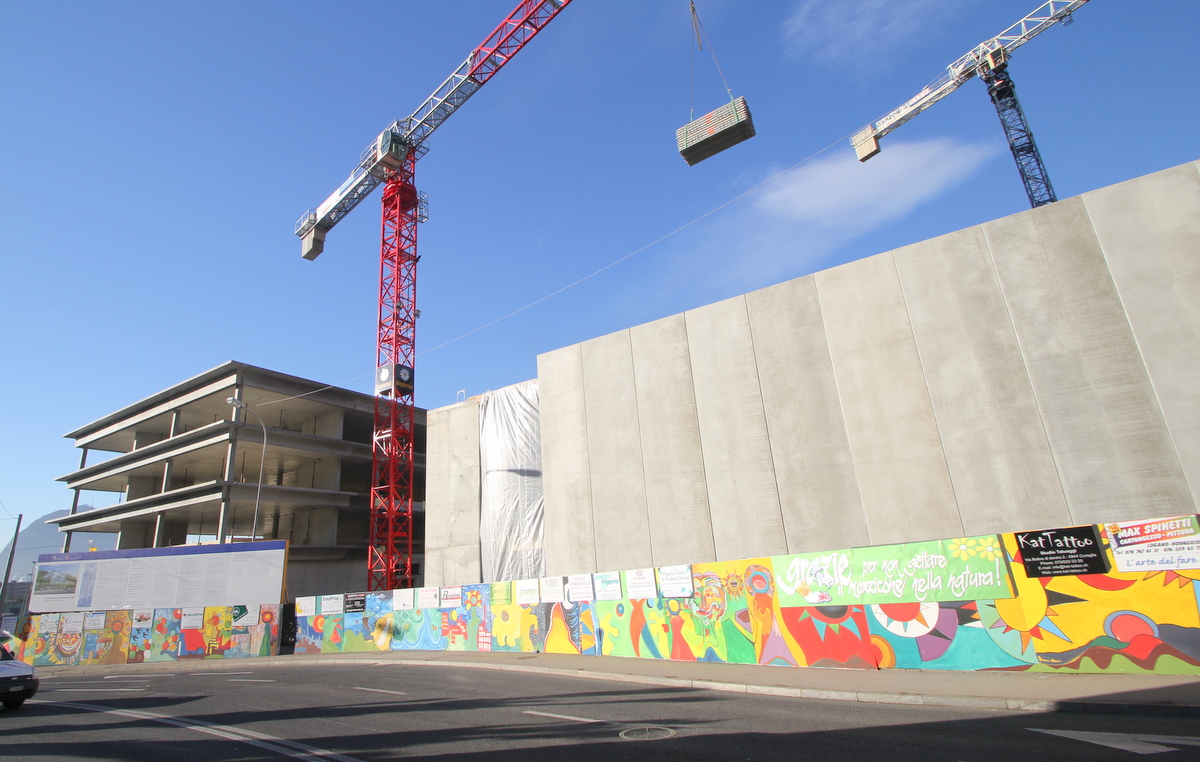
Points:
[(185, 465), (1036, 371)]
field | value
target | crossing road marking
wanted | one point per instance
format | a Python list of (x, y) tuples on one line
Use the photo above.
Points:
[(381, 690), (84, 682), (92, 690), (564, 717), (1138, 743), (293, 749)]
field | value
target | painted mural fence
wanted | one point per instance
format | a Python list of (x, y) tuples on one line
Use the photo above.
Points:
[(1117, 598), (1122, 597), (147, 635)]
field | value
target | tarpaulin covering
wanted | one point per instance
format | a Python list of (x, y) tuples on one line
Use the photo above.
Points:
[(510, 464)]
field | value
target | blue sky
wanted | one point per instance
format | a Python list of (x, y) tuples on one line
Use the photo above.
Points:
[(154, 157)]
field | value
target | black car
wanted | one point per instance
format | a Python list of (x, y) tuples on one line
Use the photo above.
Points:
[(18, 680)]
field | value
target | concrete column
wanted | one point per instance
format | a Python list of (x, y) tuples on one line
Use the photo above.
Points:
[(238, 416), (66, 548), (166, 477), (224, 517), (160, 531), (167, 465)]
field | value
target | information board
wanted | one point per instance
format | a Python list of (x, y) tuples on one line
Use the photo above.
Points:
[(191, 576)]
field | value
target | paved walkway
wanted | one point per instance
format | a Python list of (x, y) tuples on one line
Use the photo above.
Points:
[(1176, 695)]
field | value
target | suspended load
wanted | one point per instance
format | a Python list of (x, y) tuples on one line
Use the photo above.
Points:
[(714, 132)]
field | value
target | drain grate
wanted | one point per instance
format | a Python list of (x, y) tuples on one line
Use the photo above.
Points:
[(651, 733)]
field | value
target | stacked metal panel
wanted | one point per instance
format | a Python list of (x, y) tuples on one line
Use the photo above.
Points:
[(714, 132)]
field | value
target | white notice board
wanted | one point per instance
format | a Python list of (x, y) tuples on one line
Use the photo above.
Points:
[(186, 576)]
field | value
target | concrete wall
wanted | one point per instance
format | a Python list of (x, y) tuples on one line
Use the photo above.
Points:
[(452, 496), (1032, 372)]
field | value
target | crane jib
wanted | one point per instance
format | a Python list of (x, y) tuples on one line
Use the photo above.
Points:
[(980, 59), (497, 49)]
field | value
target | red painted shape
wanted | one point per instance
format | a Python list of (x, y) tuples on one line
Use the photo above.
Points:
[(1126, 627), (901, 612), (1105, 582), (838, 645)]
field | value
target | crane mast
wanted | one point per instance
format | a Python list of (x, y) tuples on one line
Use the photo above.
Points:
[(390, 161), (989, 61)]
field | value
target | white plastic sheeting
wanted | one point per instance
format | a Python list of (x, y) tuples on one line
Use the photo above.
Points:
[(510, 464)]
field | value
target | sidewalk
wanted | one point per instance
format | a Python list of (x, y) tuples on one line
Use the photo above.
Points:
[(1174, 695)]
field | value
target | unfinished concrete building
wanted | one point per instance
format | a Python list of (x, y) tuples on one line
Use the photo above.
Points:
[(186, 466)]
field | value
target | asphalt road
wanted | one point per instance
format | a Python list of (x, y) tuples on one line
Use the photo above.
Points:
[(360, 712)]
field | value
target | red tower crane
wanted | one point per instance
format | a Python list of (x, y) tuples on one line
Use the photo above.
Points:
[(391, 161)]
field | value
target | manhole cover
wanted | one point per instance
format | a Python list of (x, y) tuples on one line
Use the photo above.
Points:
[(653, 733)]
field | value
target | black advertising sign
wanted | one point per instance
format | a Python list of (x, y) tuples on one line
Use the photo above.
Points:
[(1062, 552), (355, 603)]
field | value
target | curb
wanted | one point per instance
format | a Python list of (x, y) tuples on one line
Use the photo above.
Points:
[(1073, 706)]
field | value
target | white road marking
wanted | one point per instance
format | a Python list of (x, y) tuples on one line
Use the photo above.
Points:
[(247, 680), (293, 749), (563, 717), (135, 677), (91, 690), (81, 682), (217, 674), (1138, 743), (381, 690)]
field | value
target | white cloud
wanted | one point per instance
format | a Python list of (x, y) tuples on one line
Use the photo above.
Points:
[(861, 34), (844, 196), (799, 221)]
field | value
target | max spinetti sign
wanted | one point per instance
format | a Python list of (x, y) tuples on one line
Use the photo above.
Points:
[(1062, 552), (1169, 543)]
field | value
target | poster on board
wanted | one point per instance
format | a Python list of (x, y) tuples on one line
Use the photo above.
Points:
[(640, 583), (71, 622), (1167, 543), (354, 603), (450, 597), (528, 592), (675, 581), (429, 597), (579, 588), (500, 593), (404, 599), (1062, 552), (553, 590), (332, 604), (608, 586), (193, 619), (48, 623), (306, 606)]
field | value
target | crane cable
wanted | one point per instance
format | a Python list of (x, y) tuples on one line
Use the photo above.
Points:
[(699, 36), (593, 274)]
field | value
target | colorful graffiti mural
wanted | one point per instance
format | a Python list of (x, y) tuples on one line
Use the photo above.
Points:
[(966, 603)]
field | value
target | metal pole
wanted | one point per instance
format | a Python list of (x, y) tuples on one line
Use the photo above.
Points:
[(8, 568)]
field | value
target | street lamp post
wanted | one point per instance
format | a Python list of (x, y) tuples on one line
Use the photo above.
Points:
[(239, 405)]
